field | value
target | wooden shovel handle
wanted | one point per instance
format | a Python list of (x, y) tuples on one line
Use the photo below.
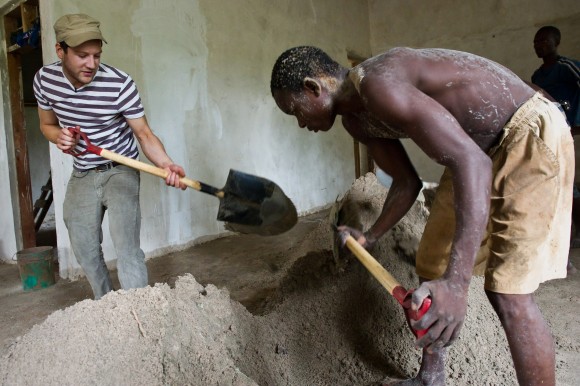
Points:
[(145, 167), (372, 265), (142, 166), (391, 284)]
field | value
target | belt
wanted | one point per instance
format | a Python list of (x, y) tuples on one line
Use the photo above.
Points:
[(100, 168)]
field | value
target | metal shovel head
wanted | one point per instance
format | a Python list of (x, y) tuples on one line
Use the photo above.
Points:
[(255, 205)]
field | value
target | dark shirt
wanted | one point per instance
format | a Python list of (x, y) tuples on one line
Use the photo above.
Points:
[(562, 82)]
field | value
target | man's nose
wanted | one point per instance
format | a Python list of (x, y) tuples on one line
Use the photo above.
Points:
[(91, 62), (301, 124)]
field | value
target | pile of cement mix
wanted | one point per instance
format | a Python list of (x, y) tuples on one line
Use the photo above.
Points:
[(329, 322)]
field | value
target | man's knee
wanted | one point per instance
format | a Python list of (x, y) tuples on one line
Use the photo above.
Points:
[(511, 306)]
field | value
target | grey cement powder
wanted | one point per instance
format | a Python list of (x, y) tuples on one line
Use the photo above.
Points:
[(329, 323)]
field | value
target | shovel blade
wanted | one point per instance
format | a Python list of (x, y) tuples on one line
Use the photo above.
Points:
[(255, 205)]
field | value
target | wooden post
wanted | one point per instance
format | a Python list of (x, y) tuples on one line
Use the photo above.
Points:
[(20, 146), (29, 13), (356, 159)]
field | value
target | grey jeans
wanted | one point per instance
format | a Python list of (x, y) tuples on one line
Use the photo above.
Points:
[(88, 195)]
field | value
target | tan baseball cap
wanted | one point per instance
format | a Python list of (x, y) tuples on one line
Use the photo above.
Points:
[(75, 29)]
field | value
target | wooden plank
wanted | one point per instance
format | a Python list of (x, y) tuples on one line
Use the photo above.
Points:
[(21, 154), (29, 13), (356, 159), (370, 162), (20, 146)]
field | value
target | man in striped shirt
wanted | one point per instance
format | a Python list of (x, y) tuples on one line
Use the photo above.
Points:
[(80, 91)]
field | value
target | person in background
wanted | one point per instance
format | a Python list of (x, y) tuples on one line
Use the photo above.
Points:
[(79, 91), (559, 76), (505, 148)]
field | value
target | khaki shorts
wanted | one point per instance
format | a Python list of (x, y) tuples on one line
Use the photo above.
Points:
[(528, 233)]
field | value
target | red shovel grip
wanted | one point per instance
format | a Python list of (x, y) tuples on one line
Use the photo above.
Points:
[(416, 315), (404, 297), (90, 147)]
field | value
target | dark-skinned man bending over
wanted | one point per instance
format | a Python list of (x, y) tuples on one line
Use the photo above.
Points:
[(503, 205)]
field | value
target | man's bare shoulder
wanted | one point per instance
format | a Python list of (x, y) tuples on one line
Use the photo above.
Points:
[(379, 67), (428, 68), (391, 57), (406, 57), (387, 72)]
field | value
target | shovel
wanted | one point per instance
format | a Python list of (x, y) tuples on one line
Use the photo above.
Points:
[(390, 283), (248, 203)]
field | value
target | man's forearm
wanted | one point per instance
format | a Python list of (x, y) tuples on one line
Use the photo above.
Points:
[(398, 202), (50, 132), (472, 205), (154, 151)]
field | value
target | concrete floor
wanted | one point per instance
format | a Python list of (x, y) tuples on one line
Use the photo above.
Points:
[(230, 262)]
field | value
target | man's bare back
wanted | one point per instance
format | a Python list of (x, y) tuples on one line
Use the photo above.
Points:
[(480, 94)]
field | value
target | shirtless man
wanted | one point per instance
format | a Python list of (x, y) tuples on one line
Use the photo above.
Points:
[(503, 204)]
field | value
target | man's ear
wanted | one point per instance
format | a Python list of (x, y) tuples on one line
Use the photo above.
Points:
[(59, 50), (312, 85)]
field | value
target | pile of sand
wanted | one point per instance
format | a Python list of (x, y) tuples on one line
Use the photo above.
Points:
[(330, 322)]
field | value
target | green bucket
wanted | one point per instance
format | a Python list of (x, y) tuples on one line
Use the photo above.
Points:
[(36, 266)]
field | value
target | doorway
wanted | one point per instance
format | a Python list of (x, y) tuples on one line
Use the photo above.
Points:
[(31, 159)]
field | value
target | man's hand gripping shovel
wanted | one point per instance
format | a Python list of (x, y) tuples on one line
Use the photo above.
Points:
[(390, 283)]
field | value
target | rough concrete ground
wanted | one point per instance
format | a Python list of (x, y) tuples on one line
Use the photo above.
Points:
[(308, 319)]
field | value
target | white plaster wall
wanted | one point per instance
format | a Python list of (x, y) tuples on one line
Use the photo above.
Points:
[(8, 242), (203, 69), (312, 168), (502, 30), (8, 245)]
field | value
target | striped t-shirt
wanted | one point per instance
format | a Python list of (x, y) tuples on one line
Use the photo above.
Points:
[(99, 108)]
